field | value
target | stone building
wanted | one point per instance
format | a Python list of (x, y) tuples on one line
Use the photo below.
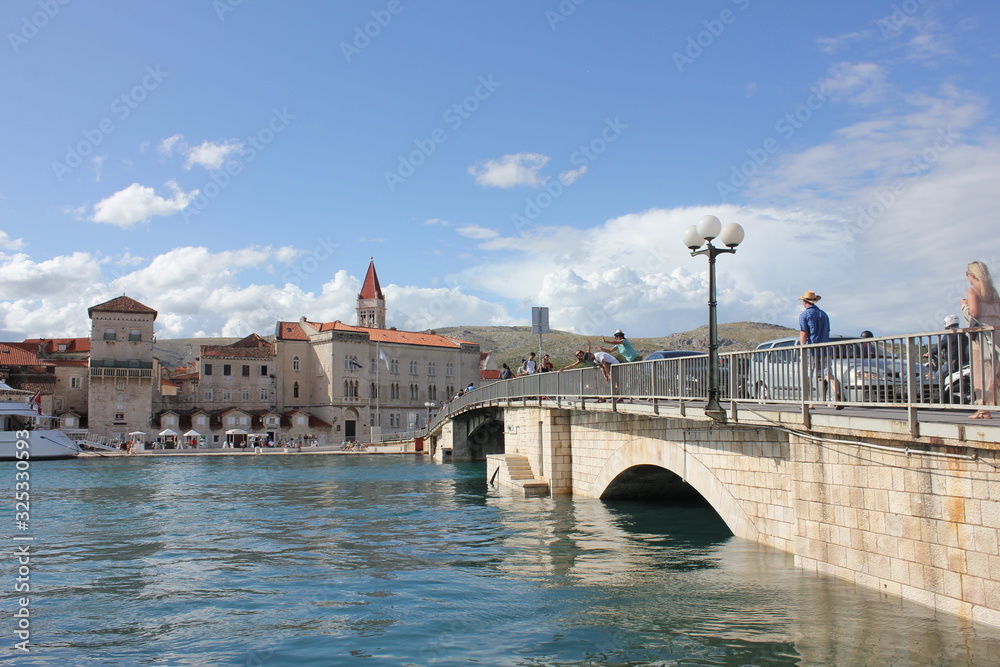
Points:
[(367, 381), (120, 392)]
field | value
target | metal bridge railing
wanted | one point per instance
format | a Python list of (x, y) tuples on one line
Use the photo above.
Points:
[(938, 370)]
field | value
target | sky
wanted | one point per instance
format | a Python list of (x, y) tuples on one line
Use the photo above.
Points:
[(234, 163)]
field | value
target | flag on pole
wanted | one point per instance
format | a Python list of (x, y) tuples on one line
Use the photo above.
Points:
[(37, 400), (383, 357), (355, 364)]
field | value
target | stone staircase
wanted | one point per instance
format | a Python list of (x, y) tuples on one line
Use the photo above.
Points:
[(521, 477)]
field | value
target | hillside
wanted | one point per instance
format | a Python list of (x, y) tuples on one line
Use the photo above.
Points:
[(511, 344)]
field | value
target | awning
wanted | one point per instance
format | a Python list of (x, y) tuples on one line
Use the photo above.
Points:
[(192, 434), (137, 433), (236, 431), (168, 431)]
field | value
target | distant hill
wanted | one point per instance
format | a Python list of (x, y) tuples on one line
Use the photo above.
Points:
[(511, 344)]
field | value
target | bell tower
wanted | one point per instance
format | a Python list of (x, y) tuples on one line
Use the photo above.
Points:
[(371, 303)]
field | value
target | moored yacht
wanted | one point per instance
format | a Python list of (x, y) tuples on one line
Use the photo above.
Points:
[(23, 429)]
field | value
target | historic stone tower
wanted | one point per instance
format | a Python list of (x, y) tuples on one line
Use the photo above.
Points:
[(121, 367), (371, 303)]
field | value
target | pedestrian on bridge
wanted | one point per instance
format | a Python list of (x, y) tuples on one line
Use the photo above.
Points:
[(814, 327), (622, 347), (981, 308)]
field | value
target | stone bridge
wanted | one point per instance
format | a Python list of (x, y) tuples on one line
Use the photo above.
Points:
[(912, 510)]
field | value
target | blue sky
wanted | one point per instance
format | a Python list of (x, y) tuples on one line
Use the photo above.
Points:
[(234, 163)]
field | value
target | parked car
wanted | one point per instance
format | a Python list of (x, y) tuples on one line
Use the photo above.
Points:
[(686, 375), (866, 370)]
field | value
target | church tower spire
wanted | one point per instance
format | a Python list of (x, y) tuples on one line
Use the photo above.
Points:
[(371, 303)]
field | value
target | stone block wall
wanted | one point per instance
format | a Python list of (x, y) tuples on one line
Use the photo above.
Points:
[(920, 526)]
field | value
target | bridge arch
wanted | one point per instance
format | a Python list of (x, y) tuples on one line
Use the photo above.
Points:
[(641, 456)]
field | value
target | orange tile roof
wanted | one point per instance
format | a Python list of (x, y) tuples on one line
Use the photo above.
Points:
[(293, 331), (121, 304), (15, 354)]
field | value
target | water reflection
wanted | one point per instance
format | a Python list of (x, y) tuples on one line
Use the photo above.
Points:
[(320, 560)]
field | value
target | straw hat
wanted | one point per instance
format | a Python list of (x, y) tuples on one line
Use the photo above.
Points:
[(810, 297)]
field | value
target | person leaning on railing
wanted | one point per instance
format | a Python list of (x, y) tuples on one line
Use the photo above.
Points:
[(981, 308)]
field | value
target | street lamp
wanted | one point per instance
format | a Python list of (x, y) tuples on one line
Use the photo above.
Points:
[(695, 236), (429, 405)]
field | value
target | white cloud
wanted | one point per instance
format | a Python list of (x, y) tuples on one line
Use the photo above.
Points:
[(138, 203), (170, 144), (7, 243), (436, 221), (571, 177), (861, 84), (476, 232), (519, 169), (212, 155)]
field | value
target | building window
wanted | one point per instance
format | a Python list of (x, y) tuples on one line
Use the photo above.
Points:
[(263, 370), (109, 334), (208, 394), (227, 369), (119, 416), (414, 392), (351, 363), (432, 392), (394, 390), (394, 366), (134, 335), (450, 391), (373, 391), (431, 369), (227, 395), (263, 394), (208, 369), (75, 382), (449, 369), (245, 395), (120, 385), (413, 368), (246, 371), (295, 363), (351, 388), (63, 347), (295, 390)]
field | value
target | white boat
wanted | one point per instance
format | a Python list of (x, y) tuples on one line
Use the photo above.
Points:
[(22, 429)]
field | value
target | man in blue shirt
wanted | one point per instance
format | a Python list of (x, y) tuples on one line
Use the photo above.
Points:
[(814, 327)]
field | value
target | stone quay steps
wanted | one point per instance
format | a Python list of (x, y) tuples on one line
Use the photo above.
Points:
[(520, 474)]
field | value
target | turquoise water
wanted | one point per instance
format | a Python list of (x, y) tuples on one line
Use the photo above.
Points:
[(391, 560)]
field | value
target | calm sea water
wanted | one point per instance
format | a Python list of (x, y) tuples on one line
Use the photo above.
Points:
[(391, 560)]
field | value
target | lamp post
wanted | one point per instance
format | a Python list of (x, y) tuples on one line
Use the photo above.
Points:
[(695, 236), (429, 405)]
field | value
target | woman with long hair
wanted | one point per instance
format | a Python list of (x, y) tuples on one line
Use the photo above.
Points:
[(981, 308)]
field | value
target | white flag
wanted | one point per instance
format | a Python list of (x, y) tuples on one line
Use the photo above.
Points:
[(381, 354)]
